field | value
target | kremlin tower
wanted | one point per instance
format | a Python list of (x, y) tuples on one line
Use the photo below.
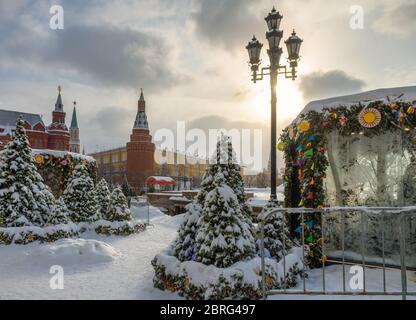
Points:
[(140, 149), (74, 143), (58, 131)]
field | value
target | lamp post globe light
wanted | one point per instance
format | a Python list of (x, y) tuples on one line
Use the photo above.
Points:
[(274, 36)]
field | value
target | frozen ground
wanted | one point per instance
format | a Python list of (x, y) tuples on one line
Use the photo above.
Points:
[(101, 267)]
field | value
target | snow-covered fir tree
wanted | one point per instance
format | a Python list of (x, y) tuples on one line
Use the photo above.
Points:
[(224, 161), (185, 247), (103, 198), (223, 236), (119, 210), (80, 196), (24, 198), (59, 213), (275, 231)]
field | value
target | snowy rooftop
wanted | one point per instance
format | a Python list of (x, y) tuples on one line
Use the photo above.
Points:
[(8, 118), (400, 93)]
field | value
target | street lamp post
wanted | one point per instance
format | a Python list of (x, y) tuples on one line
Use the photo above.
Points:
[(274, 35)]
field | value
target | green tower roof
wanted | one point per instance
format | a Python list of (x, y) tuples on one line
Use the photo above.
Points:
[(74, 121)]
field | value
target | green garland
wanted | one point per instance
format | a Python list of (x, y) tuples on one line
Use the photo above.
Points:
[(306, 161)]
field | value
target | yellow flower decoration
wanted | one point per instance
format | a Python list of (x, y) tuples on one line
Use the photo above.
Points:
[(304, 126), (39, 159), (369, 118), (281, 146)]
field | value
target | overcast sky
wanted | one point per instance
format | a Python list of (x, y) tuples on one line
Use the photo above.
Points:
[(190, 58)]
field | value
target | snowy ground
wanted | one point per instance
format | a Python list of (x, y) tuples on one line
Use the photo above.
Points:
[(101, 267)]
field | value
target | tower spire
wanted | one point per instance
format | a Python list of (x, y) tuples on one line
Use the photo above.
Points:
[(58, 105), (74, 121), (141, 118), (74, 142), (141, 95)]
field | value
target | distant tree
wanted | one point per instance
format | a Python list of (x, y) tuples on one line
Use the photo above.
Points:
[(127, 190), (103, 198), (80, 196), (119, 210)]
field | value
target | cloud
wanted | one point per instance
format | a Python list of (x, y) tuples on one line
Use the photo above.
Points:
[(229, 24), (397, 19), (109, 127), (319, 84), (104, 54)]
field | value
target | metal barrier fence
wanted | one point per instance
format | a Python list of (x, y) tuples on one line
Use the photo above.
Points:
[(380, 212)]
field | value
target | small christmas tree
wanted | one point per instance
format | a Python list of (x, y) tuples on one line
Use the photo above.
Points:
[(80, 196), (275, 231), (223, 237), (127, 190), (59, 213), (103, 198), (119, 210), (185, 247), (24, 198), (224, 161)]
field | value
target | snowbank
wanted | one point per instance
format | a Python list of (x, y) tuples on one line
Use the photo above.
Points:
[(74, 252)]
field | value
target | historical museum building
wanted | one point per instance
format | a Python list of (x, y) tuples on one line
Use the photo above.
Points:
[(56, 136)]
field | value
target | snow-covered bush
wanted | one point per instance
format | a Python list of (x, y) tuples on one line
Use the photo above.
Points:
[(59, 213), (118, 228), (241, 280), (119, 209), (28, 234), (117, 220), (103, 198), (80, 196)]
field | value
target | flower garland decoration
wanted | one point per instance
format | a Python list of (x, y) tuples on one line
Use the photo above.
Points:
[(306, 159), (56, 170), (369, 117)]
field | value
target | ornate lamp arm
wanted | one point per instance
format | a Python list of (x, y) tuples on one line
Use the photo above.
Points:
[(288, 74), (258, 77)]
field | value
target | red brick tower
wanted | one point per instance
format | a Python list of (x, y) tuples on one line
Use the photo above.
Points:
[(58, 131), (140, 149)]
